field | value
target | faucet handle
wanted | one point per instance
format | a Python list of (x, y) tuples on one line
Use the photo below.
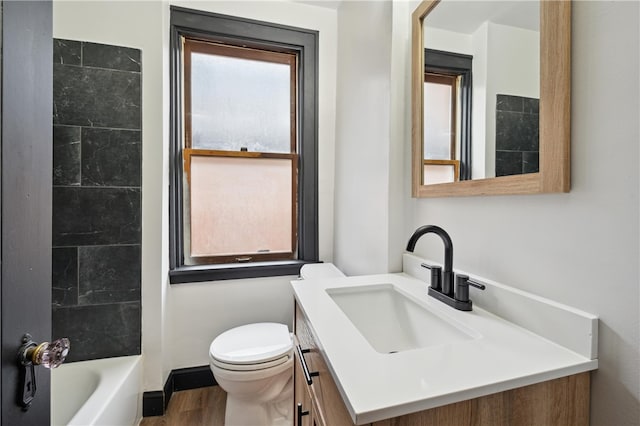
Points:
[(476, 284), (462, 287), (436, 275)]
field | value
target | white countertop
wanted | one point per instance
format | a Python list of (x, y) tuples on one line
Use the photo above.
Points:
[(377, 386)]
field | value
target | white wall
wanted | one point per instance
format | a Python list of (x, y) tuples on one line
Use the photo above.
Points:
[(137, 25), (363, 137), (579, 248), (449, 41), (480, 48), (201, 311), (180, 321)]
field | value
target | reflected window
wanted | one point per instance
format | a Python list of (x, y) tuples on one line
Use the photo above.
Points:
[(447, 117), (441, 171), (440, 116)]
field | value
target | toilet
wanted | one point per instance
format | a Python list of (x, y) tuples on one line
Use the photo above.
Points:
[(253, 363)]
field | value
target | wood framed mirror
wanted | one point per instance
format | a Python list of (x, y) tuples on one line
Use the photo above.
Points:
[(552, 171)]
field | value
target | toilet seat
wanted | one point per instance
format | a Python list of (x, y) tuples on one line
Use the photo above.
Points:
[(249, 367), (252, 347)]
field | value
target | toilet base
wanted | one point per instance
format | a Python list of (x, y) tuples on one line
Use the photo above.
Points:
[(240, 412)]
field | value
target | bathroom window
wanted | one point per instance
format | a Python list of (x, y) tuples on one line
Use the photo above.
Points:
[(448, 108), (244, 173), (441, 124), (440, 111), (240, 157)]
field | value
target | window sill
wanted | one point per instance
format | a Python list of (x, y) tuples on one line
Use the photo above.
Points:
[(200, 273)]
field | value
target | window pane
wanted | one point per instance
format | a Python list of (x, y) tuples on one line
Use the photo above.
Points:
[(438, 173), (239, 103), (240, 206), (437, 121)]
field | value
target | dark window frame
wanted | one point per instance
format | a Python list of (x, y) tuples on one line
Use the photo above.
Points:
[(251, 33), (457, 64)]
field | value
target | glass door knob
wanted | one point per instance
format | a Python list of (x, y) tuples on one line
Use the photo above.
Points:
[(47, 354), (50, 355)]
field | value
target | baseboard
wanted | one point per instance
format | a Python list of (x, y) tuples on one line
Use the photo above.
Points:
[(192, 378), (168, 390), (154, 403)]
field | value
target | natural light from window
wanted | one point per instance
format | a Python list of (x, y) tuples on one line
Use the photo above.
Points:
[(240, 103)]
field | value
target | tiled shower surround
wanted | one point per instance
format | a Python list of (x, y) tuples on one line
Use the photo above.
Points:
[(97, 138), (517, 130)]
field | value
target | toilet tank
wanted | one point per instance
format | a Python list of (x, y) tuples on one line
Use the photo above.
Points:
[(320, 270)]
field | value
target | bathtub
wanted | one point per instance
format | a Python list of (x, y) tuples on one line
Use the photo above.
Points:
[(99, 392)]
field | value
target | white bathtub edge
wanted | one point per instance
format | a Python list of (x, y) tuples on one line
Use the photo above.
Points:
[(120, 380)]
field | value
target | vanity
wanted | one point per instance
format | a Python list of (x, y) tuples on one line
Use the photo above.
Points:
[(376, 350), (391, 349)]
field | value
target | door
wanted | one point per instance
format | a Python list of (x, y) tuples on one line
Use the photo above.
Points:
[(26, 182)]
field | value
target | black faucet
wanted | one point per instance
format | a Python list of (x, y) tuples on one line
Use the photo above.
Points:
[(447, 274), (442, 287)]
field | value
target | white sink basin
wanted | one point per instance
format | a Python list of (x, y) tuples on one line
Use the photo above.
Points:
[(391, 321)]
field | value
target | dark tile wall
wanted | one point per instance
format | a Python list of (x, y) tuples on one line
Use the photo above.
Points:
[(517, 130), (96, 268)]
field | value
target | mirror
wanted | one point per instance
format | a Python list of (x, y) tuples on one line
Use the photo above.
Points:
[(496, 98)]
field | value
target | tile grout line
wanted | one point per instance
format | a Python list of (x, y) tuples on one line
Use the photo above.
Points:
[(82, 126)]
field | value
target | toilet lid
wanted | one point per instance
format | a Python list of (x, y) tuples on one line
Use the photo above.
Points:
[(252, 343)]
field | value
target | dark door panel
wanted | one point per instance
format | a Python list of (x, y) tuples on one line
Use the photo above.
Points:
[(26, 169)]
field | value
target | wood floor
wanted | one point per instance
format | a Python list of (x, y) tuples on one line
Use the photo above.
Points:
[(195, 407)]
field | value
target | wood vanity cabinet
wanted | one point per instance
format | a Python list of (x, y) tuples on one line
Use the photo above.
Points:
[(321, 398), (558, 402)]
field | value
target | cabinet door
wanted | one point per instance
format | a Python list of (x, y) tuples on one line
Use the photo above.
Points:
[(315, 418), (325, 393), (330, 408), (302, 399)]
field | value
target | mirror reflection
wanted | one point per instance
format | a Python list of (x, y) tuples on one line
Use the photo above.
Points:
[(481, 90)]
